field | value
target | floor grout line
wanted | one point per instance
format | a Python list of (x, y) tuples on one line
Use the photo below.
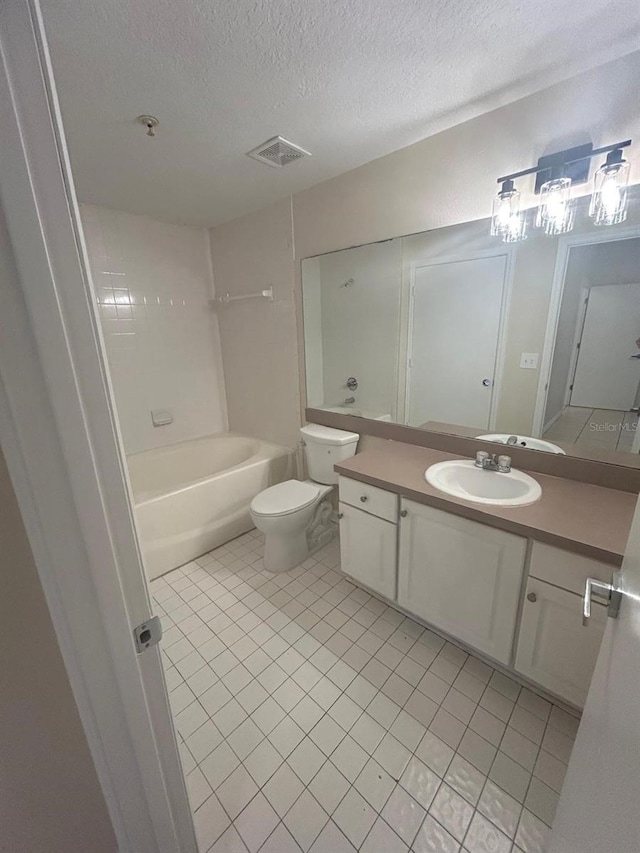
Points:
[(166, 587)]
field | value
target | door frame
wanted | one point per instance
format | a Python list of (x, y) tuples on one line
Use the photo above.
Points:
[(585, 292), (565, 244), (60, 437), (505, 304)]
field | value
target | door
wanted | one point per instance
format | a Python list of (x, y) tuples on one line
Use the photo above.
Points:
[(368, 550), (60, 439), (461, 576), (598, 809), (606, 375), (454, 328), (554, 648)]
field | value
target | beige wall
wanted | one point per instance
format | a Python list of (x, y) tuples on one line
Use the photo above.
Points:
[(443, 180), (259, 344), (451, 177), (50, 799)]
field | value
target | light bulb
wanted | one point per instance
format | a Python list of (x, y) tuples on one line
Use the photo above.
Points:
[(516, 228), (609, 200)]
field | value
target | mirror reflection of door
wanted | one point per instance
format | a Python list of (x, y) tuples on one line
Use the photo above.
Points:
[(594, 385), (456, 310), (607, 375)]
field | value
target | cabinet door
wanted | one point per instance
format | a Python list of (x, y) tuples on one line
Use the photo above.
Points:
[(368, 548), (554, 648), (461, 576)]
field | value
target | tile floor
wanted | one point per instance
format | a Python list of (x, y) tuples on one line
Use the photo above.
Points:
[(599, 429), (314, 717)]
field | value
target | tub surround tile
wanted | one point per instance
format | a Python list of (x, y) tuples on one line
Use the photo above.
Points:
[(153, 286)]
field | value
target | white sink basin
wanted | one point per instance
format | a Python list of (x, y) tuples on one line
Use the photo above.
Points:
[(523, 441), (462, 479)]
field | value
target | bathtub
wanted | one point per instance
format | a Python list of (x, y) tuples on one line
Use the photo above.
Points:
[(194, 496)]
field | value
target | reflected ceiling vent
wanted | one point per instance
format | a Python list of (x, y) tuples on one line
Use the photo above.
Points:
[(278, 152)]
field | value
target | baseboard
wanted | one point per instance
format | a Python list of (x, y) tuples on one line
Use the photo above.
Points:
[(550, 423)]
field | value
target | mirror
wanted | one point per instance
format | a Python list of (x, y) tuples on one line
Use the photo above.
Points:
[(535, 343)]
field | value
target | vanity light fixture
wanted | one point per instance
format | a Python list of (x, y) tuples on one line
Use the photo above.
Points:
[(556, 175)]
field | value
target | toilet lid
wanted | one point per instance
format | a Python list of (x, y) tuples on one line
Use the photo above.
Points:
[(284, 498)]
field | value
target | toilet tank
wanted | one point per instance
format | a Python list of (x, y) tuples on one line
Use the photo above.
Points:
[(323, 447)]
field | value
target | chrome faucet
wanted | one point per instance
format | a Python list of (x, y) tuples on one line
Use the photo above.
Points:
[(513, 439), (492, 462)]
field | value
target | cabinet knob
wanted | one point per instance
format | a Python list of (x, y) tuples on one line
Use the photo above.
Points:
[(404, 513), (340, 515), (364, 498), (532, 597)]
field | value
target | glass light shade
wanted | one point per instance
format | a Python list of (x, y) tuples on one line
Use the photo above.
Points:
[(609, 200), (516, 229), (506, 205), (556, 209)]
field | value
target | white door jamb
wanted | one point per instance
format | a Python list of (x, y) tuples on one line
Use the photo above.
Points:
[(60, 438)]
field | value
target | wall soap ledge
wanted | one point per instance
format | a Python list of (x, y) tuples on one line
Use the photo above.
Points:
[(161, 417)]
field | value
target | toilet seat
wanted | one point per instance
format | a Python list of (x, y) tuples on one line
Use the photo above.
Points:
[(284, 498)]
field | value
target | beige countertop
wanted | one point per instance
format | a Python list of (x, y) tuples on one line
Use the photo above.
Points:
[(590, 520)]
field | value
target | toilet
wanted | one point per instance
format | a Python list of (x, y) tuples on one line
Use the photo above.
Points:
[(295, 515)]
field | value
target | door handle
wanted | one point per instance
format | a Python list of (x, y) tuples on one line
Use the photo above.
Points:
[(610, 593), (487, 383)]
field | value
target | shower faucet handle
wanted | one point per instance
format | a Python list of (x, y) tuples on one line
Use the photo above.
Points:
[(352, 383)]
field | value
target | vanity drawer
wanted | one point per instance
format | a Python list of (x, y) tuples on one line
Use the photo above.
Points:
[(564, 569), (369, 498)]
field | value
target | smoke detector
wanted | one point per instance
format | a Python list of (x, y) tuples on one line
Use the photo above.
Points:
[(278, 152)]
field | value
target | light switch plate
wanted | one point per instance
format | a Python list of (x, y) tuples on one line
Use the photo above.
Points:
[(161, 417), (529, 360)]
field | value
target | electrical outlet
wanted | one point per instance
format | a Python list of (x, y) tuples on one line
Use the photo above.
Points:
[(529, 360)]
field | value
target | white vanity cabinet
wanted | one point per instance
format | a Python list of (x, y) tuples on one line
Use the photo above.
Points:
[(461, 576), (369, 535), (470, 580), (554, 648)]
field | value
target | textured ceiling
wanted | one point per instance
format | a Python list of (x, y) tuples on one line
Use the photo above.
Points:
[(349, 80)]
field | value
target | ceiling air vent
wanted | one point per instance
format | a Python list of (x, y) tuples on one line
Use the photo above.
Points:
[(278, 152)]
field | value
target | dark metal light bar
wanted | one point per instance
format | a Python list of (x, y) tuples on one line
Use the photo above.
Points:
[(581, 154)]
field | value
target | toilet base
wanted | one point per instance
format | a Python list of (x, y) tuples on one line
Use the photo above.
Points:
[(321, 531), (283, 553)]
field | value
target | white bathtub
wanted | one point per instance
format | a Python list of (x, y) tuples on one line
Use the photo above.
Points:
[(193, 496)]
